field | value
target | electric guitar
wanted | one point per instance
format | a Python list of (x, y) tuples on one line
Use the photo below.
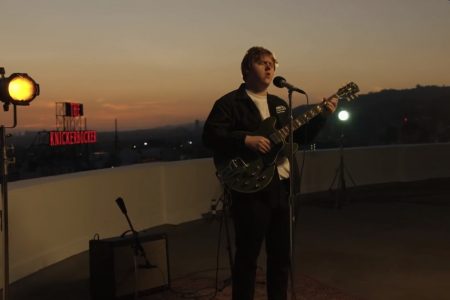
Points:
[(255, 173)]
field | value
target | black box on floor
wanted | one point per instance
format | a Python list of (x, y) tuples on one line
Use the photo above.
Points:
[(112, 267)]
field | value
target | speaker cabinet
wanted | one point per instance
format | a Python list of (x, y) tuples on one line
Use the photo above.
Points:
[(113, 274)]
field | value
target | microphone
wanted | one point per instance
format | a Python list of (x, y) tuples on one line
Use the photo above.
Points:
[(282, 83), (121, 205)]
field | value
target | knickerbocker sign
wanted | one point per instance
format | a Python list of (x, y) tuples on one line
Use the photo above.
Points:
[(71, 126), (62, 138)]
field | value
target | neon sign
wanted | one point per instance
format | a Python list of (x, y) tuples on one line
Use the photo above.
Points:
[(73, 109), (62, 138)]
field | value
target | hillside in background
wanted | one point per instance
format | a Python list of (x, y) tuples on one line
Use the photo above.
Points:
[(418, 115)]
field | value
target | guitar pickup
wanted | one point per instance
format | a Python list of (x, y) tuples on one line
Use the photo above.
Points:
[(237, 163)]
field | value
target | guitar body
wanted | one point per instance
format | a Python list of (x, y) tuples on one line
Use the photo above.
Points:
[(254, 173)]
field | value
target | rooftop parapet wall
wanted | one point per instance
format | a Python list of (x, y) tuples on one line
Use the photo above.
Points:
[(53, 218)]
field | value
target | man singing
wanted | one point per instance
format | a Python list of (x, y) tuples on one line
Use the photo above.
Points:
[(263, 214)]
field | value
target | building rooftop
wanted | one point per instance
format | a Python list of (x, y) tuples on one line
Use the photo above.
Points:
[(386, 241)]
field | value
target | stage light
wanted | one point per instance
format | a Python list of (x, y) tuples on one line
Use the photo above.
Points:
[(17, 89), (343, 115)]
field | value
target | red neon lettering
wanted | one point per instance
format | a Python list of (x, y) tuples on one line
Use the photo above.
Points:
[(60, 138), (52, 139)]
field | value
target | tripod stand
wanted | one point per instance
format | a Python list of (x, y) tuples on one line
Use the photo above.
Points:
[(339, 177), (225, 199)]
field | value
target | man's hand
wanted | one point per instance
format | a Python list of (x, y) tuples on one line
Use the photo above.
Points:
[(257, 143), (330, 105)]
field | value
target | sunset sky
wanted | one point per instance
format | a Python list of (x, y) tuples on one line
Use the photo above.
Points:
[(150, 63)]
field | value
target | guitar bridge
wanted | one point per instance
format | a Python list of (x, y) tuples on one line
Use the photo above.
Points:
[(233, 167)]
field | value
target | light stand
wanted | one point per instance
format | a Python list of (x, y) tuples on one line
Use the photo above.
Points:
[(341, 170), (17, 89), (5, 162)]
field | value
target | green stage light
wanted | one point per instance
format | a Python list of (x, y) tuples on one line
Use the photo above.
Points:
[(18, 89)]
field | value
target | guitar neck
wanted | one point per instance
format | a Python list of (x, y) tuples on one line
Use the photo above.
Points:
[(347, 92), (281, 135)]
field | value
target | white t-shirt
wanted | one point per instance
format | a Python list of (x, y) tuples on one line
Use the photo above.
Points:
[(261, 103)]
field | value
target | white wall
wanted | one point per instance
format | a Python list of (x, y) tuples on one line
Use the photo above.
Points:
[(376, 165), (53, 218)]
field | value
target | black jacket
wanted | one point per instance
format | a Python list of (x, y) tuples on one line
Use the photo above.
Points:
[(235, 114)]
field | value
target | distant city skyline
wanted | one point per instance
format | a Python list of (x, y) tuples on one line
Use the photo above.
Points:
[(155, 63)]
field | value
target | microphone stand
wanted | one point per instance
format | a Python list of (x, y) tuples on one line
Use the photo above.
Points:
[(137, 247), (291, 191)]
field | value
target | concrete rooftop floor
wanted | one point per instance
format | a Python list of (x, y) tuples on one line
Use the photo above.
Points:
[(388, 241)]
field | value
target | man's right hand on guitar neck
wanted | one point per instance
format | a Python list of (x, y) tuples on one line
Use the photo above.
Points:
[(257, 143)]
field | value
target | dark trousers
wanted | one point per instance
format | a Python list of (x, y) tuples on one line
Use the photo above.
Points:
[(259, 216)]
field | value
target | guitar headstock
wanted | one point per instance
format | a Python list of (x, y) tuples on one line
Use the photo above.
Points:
[(348, 92)]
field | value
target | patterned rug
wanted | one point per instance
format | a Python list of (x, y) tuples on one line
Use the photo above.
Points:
[(203, 287)]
